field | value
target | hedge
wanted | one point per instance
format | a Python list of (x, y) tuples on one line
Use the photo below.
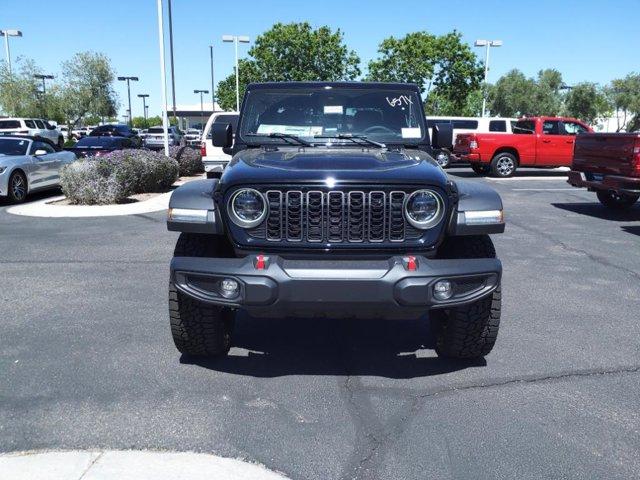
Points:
[(114, 177), (188, 158)]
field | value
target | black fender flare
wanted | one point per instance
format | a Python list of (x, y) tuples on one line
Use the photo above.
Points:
[(475, 196), (197, 195)]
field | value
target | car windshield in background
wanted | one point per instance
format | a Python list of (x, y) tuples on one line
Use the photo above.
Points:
[(10, 124), (381, 115), (13, 146), (102, 142), (156, 130)]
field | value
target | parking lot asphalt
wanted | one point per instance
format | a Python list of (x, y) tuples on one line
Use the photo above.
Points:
[(87, 361)]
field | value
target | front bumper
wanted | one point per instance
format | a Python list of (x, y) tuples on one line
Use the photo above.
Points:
[(616, 183), (335, 288)]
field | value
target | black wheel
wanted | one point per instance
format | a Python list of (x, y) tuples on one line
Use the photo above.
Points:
[(504, 165), (60, 142), (199, 329), (443, 159), (17, 187), (480, 169), (468, 331), (618, 201)]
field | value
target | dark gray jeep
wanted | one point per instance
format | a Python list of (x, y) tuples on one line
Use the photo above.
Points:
[(333, 206)]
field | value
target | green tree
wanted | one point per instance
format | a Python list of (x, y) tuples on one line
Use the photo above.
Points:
[(442, 66), (587, 102), (512, 95), (88, 87), (624, 94), (290, 52), (139, 122), (547, 95), (18, 91), (154, 121)]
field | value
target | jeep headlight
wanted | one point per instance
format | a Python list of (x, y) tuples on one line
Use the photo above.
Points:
[(424, 209), (247, 208)]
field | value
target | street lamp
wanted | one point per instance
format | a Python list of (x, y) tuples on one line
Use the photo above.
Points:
[(128, 79), (236, 39), (201, 108), (163, 77), (213, 88), (144, 97), (7, 34), (487, 44), (44, 91)]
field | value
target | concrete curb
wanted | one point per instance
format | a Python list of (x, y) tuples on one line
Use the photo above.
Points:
[(42, 208), (127, 465)]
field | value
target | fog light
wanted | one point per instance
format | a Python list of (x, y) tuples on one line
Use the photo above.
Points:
[(443, 290), (229, 288)]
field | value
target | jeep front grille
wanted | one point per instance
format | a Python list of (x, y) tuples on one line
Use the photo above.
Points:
[(335, 216)]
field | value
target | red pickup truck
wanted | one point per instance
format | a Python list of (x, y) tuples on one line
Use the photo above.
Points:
[(608, 164), (545, 142)]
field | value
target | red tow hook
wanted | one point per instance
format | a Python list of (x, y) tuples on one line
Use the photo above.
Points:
[(410, 263), (260, 263)]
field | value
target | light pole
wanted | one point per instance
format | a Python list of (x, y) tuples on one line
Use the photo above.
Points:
[(213, 88), (44, 91), (488, 44), (128, 79), (173, 78), (236, 39), (201, 107), (144, 97), (7, 34), (163, 78)]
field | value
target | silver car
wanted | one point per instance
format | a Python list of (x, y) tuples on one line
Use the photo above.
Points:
[(28, 164), (155, 137)]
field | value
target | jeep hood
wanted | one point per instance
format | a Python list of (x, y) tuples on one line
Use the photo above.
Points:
[(340, 164)]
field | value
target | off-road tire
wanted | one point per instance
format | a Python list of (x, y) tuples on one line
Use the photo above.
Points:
[(480, 169), (504, 165), (616, 201), (468, 331), (199, 329)]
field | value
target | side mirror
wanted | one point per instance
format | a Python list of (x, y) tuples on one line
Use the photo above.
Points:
[(40, 152), (442, 136), (221, 135)]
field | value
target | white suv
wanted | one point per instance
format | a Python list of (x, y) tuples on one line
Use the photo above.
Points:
[(34, 127), (213, 158)]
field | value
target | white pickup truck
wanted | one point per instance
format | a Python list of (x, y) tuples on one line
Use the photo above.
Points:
[(213, 158)]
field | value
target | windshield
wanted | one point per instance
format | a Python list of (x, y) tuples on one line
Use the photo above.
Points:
[(13, 146), (382, 115)]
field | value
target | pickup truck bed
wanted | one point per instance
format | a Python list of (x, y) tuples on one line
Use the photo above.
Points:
[(608, 164)]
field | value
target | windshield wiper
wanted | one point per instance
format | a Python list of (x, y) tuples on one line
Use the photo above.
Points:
[(358, 139), (287, 137)]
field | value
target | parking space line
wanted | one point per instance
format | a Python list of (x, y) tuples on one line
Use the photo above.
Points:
[(543, 189)]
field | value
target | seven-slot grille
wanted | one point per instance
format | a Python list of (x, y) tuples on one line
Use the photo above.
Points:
[(335, 216)]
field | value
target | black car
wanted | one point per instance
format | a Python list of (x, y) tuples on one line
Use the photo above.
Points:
[(117, 130), (96, 146), (334, 206)]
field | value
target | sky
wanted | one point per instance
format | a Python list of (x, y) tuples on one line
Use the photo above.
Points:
[(586, 40)]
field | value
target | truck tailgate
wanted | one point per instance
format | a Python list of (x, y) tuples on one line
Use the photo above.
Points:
[(607, 153), (462, 145)]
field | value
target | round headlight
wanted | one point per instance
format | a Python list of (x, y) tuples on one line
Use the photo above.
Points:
[(247, 208), (424, 209)]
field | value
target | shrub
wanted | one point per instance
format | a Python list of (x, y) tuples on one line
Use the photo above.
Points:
[(93, 182), (188, 158), (117, 175)]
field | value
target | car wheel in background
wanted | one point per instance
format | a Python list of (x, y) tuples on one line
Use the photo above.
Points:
[(618, 201), (480, 169), (443, 159), (60, 141), (504, 165), (17, 187)]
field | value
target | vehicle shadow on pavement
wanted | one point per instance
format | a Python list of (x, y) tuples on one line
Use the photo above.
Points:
[(279, 347), (596, 210), (519, 174), (633, 229), (33, 197)]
